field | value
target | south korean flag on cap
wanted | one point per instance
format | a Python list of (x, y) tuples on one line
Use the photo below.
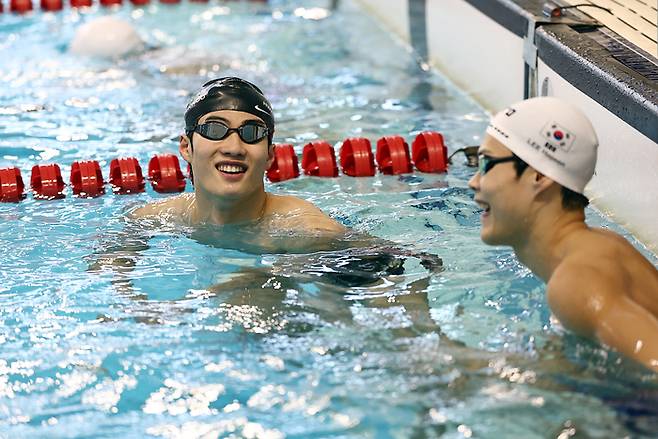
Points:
[(558, 135)]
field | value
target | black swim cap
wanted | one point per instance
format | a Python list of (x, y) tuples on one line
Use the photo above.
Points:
[(229, 93)]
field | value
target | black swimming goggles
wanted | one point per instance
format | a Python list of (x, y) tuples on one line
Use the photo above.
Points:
[(250, 132), (486, 163)]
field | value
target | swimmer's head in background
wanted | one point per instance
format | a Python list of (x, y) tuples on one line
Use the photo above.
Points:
[(229, 93), (552, 136), (106, 37)]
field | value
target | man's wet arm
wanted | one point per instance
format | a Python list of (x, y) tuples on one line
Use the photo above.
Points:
[(632, 330), (594, 305)]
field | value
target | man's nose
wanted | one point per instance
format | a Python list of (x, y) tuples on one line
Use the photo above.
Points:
[(474, 182), (232, 145)]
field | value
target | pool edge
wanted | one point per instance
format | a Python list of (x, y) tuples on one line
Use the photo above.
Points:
[(482, 48)]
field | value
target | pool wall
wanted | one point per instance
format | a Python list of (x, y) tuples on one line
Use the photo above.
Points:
[(502, 51)]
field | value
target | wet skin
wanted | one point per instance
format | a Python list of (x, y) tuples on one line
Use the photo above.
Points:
[(229, 186), (598, 285)]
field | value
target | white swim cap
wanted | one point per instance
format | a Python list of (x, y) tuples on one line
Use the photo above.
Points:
[(106, 37), (552, 136)]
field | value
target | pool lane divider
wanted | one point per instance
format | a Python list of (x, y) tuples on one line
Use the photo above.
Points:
[(11, 185), (87, 181), (356, 157), (47, 182), (25, 6), (319, 160), (126, 176), (392, 157), (429, 153), (285, 165)]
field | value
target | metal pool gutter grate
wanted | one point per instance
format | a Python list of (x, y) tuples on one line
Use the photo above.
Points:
[(633, 20), (626, 53), (589, 66)]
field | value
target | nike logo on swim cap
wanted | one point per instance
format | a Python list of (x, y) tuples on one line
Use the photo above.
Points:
[(268, 111), (199, 97)]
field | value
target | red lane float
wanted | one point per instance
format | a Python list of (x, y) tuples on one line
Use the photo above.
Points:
[(11, 185), (165, 174), (126, 176), (319, 160), (47, 182), (23, 6), (87, 179), (20, 6), (285, 165), (429, 153), (393, 156), (356, 158), (52, 5)]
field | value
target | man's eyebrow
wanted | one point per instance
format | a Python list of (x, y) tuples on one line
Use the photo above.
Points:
[(214, 118), (227, 122)]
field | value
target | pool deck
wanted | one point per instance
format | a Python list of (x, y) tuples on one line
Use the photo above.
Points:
[(633, 20), (502, 51)]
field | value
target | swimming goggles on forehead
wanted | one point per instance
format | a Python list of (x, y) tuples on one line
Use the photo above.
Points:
[(486, 163), (250, 132)]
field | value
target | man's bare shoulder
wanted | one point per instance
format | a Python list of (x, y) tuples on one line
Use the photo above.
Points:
[(295, 213), (605, 244), (615, 257), (592, 253), (287, 203), (176, 206), (584, 275), (600, 303), (578, 291)]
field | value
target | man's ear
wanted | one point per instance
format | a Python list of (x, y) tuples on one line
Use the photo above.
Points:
[(270, 156), (185, 148), (540, 182)]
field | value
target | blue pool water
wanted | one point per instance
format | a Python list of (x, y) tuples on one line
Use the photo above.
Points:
[(190, 347)]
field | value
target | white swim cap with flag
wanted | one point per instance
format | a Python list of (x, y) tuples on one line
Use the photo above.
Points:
[(552, 136)]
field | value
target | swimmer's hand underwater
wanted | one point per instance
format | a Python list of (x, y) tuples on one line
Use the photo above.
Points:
[(364, 263)]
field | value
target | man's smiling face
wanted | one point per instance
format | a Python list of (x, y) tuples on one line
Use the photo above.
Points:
[(231, 167), (504, 197)]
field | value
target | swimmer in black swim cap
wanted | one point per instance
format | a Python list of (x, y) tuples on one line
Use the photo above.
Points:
[(229, 125), (227, 140)]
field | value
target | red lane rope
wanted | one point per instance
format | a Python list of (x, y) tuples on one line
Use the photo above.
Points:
[(25, 6), (429, 154)]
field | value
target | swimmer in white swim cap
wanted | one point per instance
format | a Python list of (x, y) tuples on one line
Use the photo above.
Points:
[(534, 163), (106, 37)]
